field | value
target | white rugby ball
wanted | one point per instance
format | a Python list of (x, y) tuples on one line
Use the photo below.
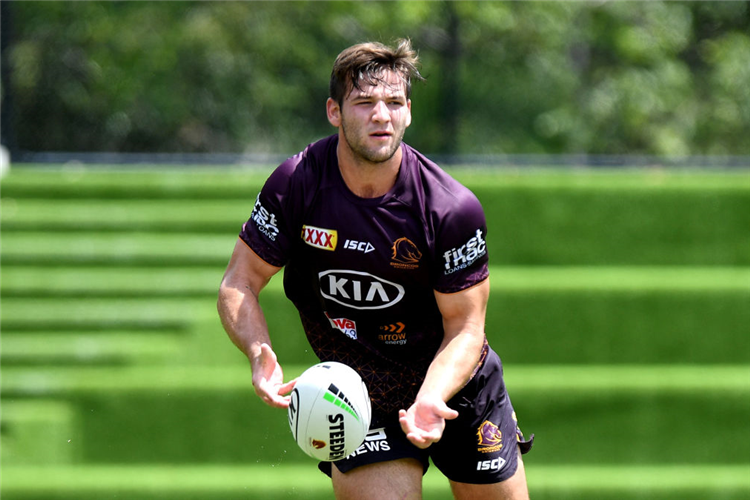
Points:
[(329, 412)]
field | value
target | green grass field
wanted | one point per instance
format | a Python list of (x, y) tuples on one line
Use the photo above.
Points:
[(619, 304)]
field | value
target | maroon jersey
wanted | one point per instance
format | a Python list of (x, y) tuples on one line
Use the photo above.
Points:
[(362, 271)]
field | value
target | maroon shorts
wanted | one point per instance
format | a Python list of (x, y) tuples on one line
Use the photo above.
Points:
[(479, 447)]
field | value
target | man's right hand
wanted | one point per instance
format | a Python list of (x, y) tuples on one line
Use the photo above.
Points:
[(268, 379)]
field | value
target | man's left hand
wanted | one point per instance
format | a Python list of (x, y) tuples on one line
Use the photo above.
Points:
[(424, 422)]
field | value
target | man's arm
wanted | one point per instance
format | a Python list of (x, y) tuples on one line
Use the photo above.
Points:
[(463, 322), (240, 313)]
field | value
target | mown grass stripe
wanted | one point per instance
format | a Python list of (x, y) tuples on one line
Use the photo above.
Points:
[(180, 280), (222, 181), (667, 378), (124, 213), (582, 379), (107, 310), (45, 347), (620, 278), (281, 478), (118, 245), (28, 278), (647, 477), (209, 183)]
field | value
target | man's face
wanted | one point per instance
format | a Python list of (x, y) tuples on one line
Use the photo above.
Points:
[(374, 119)]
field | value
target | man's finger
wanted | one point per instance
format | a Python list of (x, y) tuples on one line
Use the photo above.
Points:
[(447, 412), (287, 387)]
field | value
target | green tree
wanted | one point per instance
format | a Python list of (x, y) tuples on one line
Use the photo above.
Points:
[(502, 77)]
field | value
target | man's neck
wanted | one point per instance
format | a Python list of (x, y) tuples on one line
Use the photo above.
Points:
[(366, 179)]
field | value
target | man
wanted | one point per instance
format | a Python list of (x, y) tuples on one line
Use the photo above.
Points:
[(385, 259)]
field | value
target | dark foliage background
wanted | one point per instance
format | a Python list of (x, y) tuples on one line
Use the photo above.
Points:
[(661, 78)]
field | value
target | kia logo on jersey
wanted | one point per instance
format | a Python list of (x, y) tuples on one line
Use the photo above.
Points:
[(359, 290)]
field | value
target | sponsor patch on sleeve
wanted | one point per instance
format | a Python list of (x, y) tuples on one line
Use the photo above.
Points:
[(464, 256), (265, 220)]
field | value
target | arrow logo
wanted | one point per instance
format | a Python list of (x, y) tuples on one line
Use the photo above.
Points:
[(394, 328)]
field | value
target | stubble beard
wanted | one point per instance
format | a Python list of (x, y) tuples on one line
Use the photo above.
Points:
[(370, 155)]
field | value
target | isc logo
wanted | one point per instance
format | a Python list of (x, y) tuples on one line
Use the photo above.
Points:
[(495, 464), (320, 238), (359, 290), (362, 246)]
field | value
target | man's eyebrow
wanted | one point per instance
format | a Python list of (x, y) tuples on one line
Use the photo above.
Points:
[(399, 94)]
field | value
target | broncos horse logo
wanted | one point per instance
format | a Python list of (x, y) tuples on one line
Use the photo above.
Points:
[(489, 436), (405, 253)]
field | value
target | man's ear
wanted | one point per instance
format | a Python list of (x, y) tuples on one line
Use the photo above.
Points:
[(333, 110)]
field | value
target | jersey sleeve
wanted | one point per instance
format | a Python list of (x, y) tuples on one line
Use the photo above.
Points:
[(460, 246), (269, 230)]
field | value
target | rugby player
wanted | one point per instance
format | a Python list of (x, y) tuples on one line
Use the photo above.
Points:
[(386, 261)]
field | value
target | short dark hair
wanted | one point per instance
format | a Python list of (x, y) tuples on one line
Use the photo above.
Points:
[(365, 62)]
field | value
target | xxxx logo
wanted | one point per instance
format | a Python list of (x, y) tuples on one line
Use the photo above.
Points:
[(324, 239)]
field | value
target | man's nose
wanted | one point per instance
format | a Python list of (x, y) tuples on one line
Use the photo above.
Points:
[(380, 112)]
